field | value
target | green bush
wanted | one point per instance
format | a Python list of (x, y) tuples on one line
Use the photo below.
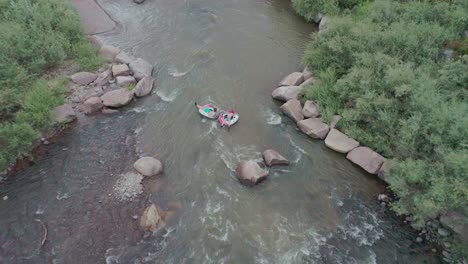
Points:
[(35, 36), (383, 69)]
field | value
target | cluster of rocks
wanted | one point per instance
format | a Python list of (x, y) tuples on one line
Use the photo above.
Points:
[(251, 173), (113, 86), (308, 119)]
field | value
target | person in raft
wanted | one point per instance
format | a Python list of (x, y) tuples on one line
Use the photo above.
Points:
[(209, 109)]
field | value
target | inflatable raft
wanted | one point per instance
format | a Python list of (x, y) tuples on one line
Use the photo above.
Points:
[(228, 118), (208, 110)]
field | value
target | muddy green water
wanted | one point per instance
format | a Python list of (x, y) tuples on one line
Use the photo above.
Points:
[(320, 209)]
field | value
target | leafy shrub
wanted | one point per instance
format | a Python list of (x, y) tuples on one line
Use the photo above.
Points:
[(382, 68), (35, 35)]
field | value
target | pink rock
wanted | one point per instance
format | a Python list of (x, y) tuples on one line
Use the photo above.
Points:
[(117, 98), (249, 173), (286, 93), (83, 78), (91, 105), (109, 52), (292, 108), (63, 114), (367, 159), (314, 128), (292, 79), (273, 158), (310, 109), (340, 142), (120, 70), (144, 87)]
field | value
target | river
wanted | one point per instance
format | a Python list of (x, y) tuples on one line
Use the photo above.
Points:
[(320, 209)]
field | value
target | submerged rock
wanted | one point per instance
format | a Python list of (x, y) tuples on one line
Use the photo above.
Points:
[(151, 219), (367, 159), (83, 78), (144, 87), (117, 98), (292, 108), (249, 173), (141, 68), (128, 186), (273, 158), (310, 109), (314, 128), (148, 166), (125, 81), (92, 105), (286, 93), (63, 114), (340, 142), (109, 52), (292, 79), (120, 70)]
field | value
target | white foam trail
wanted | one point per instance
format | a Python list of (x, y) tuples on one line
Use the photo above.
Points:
[(167, 97), (272, 117), (173, 71)]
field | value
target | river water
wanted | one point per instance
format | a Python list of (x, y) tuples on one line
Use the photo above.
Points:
[(320, 209)]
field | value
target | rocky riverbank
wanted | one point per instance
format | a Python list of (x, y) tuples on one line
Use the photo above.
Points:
[(306, 114)]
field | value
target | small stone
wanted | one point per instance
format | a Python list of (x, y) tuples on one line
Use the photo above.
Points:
[(434, 223), (109, 111), (63, 114), (148, 166), (434, 250), (383, 204), (135, 217), (419, 239), (125, 81), (5, 198), (443, 232), (383, 197)]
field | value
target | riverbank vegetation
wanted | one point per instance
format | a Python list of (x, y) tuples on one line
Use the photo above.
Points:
[(35, 37), (397, 72)]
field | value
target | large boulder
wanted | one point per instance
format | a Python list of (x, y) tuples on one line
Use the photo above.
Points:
[(103, 77), (292, 108), (292, 79), (151, 219), (120, 70), (63, 114), (109, 52), (125, 81), (117, 98), (91, 105), (367, 159), (457, 222), (340, 142), (124, 57), (273, 158), (144, 87), (307, 73), (249, 173), (286, 93), (141, 68), (310, 109), (323, 25), (314, 128), (308, 82), (148, 166), (83, 78)]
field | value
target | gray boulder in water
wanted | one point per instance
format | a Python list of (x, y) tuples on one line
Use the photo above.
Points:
[(249, 173), (273, 158), (148, 166), (144, 87)]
